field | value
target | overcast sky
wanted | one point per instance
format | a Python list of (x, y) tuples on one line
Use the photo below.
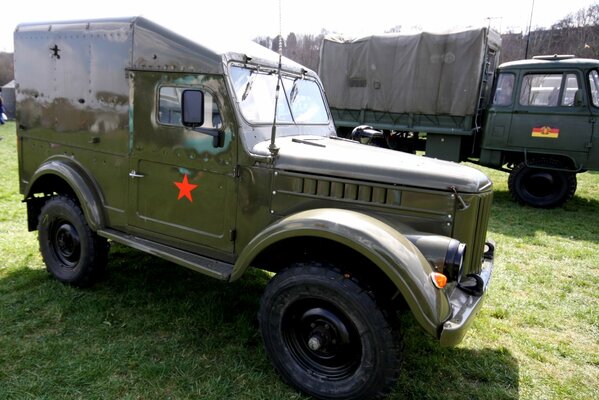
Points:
[(248, 19)]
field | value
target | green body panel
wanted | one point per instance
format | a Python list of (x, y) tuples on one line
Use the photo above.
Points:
[(148, 182)]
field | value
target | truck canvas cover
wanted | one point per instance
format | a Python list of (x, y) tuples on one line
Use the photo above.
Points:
[(426, 73)]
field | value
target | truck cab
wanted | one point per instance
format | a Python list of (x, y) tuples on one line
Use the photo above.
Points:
[(542, 125)]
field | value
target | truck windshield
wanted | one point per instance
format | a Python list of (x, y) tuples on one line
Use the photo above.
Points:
[(300, 99)]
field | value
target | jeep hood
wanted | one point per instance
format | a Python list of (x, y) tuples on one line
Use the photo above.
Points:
[(351, 160)]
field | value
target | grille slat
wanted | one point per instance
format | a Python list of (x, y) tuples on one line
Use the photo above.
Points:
[(480, 235)]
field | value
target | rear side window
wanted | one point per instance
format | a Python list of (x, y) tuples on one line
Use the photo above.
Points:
[(550, 90), (594, 85)]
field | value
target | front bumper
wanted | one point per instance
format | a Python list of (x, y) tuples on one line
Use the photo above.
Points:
[(466, 303)]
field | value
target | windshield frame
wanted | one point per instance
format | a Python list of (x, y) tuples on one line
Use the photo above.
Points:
[(285, 114)]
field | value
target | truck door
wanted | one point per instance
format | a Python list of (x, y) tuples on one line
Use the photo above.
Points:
[(498, 119), (551, 115), (182, 188)]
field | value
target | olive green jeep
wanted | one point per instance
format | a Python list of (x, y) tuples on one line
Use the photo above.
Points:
[(130, 133)]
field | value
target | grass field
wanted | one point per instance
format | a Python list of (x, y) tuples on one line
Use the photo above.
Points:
[(153, 330)]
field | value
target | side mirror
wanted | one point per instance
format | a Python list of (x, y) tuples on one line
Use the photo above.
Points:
[(192, 104)]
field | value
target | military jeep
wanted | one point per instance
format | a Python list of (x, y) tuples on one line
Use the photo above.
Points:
[(130, 133)]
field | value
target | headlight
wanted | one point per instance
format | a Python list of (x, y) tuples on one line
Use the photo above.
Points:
[(454, 259)]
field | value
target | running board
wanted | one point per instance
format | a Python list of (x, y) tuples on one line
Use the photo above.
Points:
[(207, 266)]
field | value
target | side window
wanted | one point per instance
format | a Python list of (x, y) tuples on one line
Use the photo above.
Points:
[(169, 105), (594, 85), (169, 108), (504, 90), (540, 90)]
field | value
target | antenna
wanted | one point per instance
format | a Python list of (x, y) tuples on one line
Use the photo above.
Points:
[(274, 150), (532, 9)]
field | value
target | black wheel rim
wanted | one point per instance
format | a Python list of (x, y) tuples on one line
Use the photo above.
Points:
[(65, 243), (322, 339), (544, 184)]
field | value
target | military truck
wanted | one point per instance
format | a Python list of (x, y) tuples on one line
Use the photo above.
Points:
[(129, 133), (443, 94)]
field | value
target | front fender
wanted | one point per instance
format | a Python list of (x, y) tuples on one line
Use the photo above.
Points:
[(77, 179), (387, 248)]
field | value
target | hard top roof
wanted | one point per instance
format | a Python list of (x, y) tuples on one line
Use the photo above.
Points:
[(558, 62), (155, 47)]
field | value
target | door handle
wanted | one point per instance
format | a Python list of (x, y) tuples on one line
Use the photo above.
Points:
[(134, 174)]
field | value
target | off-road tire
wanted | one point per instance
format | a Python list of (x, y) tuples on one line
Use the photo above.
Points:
[(73, 253), (539, 187), (326, 335), (402, 141)]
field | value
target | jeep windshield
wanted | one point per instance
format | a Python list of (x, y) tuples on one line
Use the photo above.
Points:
[(300, 98)]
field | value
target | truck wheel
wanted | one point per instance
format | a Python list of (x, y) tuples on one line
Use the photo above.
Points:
[(73, 253), (326, 335), (401, 141), (542, 188)]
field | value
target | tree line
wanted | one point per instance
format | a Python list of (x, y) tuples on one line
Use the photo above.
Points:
[(576, 33)]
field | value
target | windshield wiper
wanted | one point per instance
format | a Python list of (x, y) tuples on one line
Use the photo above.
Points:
[(294, 89), (248, 85)]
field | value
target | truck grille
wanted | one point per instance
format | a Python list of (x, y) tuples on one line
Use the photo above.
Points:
[(473, 264)]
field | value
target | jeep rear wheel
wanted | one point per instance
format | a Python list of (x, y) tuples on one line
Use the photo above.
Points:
[(542, 186), (327, 336), (72, 252)]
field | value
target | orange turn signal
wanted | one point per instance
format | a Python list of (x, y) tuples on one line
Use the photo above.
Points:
[(439, 280)]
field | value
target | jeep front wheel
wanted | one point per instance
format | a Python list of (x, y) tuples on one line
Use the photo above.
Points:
[(326, 335), (72, 252), (542, 186)]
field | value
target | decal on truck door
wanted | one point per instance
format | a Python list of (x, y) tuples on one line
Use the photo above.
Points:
[(545, 132)]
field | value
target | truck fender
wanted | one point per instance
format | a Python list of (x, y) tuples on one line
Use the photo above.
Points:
[(391, 252), (79, 181)]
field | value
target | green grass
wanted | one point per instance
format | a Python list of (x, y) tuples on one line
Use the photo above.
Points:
[(153, 330)]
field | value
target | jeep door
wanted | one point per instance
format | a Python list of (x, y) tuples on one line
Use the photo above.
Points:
[(182, 188)]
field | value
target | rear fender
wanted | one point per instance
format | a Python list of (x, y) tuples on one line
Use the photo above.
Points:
[(384, 246), (77, 179)]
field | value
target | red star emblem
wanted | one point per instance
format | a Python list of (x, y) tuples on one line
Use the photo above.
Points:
[(185, 188)]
